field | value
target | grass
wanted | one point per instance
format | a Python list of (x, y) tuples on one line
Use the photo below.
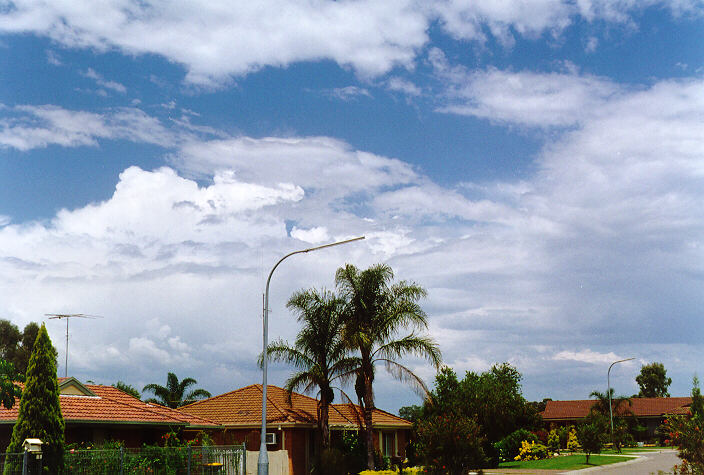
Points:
[(567, 462)]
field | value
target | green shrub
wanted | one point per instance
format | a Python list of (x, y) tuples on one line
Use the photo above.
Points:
[(509, 446), (450, 445)]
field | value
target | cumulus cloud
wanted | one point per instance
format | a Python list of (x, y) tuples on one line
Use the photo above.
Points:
[(587, 356)]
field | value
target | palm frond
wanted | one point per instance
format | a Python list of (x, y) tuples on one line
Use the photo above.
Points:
[(407, 376), (422, 346)]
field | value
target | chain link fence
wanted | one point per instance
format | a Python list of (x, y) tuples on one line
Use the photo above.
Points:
[(221, 460)]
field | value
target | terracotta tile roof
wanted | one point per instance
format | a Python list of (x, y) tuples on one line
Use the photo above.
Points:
[(243, 407), (640, 407), (111, 405)]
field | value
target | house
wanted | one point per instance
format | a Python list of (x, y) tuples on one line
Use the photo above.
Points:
[(293, 425), (650, 411), (96, 413)]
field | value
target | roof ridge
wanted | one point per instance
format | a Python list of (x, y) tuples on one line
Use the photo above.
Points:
[(146, 406)]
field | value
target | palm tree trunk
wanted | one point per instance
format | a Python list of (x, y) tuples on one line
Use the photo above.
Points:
[(324, 423), (368, 411)]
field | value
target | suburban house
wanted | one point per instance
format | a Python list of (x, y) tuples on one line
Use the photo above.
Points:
[(291, 426), (96, 413), (650, 411)]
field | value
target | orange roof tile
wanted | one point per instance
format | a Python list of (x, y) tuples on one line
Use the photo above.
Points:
[(243, 407), (640, 407), (114, 406)]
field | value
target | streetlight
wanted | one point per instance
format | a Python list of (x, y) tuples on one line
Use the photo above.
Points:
[(263, 462), (608, 390)]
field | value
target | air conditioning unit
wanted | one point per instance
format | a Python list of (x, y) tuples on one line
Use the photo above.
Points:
[(270, 438)]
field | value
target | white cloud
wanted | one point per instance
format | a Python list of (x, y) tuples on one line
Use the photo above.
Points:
[(27, 127), (529, 98), (101, 81), (402, 85), (315, 235), (348, 93), (587, 356), (216, 40)]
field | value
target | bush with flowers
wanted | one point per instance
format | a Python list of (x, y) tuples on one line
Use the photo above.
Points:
[(687, 433), (532, 451)]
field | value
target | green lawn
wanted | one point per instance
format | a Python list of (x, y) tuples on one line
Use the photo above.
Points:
[(567, 462)]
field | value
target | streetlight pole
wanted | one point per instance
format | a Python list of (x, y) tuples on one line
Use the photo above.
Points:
[(608, 390), (263, 461)]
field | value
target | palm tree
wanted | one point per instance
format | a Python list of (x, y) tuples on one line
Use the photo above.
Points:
[(172, 395), (318, 354), (376, 311), (601, 405)]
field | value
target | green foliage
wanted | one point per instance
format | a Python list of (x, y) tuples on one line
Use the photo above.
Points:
[(8, 389), (687, 433), (354, 450), (174, 394), (592, 434), (40, 413), (491, 399), (126, 388), (509, 446), (376, 312), (554, 441), (411, 413), (15, 346), (653, 381), (451, 444)]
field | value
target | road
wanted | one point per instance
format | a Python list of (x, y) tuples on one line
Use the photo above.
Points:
[(657, 463)]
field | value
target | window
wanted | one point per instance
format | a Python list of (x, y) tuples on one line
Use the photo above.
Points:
[(389, 442), (270, 438)]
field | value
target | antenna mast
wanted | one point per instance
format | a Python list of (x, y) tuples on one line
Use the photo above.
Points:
[(68, 316)]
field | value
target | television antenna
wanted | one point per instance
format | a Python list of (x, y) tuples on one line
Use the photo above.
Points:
[(67, 317)]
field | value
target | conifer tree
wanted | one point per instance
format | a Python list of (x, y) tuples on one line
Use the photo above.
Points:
[(40, 413)]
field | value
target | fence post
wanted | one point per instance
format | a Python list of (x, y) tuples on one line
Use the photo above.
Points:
[(122, 460), (24, 463)]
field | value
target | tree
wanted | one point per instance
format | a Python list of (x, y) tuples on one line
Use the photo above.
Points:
[(9, 390), (319, 354), (40, 412), (127, 388), (591, 436), (174, 395), (15, 346), (450, 445), (653, 381), (376, 311), (492, 399), (618, 404), (410, 413)]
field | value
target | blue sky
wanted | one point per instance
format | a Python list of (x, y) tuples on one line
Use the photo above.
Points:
[(536, 165)]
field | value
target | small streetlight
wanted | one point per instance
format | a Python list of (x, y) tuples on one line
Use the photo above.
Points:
[(608, 390), (263, 461)]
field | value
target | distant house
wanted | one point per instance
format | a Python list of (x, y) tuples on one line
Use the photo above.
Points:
[(650, 411), (293, 425), (95, 413)]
